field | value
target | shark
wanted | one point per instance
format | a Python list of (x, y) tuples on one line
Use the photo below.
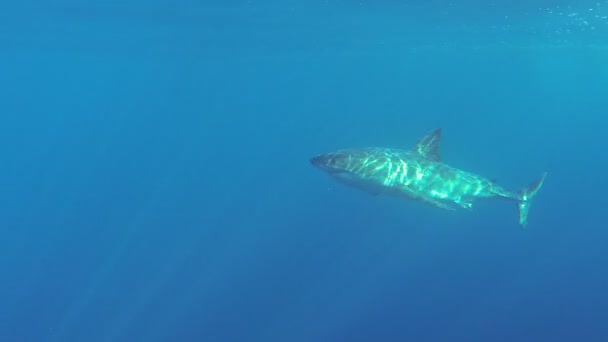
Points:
[(419, 173)]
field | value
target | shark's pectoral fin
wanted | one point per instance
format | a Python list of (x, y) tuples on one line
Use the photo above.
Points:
[(466, 204), (439, 204)]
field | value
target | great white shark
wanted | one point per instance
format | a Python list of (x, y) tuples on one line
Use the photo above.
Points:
[(420, 173)]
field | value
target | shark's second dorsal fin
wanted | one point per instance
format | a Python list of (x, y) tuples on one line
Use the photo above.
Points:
[(429, 145)]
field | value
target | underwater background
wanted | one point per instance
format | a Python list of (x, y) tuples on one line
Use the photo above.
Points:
[(156, 185)]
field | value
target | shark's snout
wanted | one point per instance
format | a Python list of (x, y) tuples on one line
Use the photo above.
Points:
[(329, 162), (319, 161)]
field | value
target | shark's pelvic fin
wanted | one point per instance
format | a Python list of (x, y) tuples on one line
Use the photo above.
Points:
[(526, 196), (428, 146)]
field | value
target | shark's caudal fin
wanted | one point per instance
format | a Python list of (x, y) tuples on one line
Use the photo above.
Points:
[(526, 196)]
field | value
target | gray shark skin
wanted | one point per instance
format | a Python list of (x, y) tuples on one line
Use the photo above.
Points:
[(420, 174)]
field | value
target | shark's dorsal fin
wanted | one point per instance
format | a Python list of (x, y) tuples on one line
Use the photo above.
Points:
[(429, 145)]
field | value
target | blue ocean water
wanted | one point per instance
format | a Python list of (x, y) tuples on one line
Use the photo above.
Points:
[(156, 183)]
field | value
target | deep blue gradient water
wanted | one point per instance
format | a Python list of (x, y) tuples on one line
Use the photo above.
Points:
[(156, 186)]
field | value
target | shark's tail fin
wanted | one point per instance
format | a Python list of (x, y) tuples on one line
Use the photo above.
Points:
[(526, 196)]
